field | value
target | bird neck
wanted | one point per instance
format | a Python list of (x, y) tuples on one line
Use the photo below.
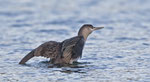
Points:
[(84, 34)]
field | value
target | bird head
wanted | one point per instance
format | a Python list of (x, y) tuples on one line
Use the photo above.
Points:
[(87, 29)]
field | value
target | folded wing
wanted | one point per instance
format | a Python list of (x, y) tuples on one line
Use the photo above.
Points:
[(72, 48)]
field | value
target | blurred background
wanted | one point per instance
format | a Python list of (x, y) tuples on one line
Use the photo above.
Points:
[(118, 53)]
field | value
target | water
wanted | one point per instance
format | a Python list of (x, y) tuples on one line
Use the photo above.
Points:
[(117, 53)]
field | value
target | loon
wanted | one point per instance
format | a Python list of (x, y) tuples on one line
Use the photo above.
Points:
[(65, 52)]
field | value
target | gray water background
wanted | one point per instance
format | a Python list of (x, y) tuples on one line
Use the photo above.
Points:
[(118, 53)]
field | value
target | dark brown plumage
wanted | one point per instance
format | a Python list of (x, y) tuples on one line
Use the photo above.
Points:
[(65, 52)]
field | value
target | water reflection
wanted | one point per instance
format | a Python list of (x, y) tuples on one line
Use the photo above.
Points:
[(76, 67)]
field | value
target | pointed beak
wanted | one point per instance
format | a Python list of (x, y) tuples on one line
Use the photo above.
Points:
[(97, 28)]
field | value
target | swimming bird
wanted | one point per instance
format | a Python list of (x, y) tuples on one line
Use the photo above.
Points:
[(65, 52)]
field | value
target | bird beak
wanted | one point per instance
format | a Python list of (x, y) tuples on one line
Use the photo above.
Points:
[(97, 28)]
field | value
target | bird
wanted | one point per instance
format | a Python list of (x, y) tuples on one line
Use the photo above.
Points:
[(65, 52)]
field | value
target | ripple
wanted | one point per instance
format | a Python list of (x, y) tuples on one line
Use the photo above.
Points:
[(8, 14), (129, 38), (118, 56), (59, 22), (146, 44), (21, 25), (14, 14), (61, 31)]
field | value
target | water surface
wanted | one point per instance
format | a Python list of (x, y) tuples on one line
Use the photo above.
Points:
[(118, 53)]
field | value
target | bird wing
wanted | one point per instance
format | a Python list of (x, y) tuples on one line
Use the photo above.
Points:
[(72, 48), (48, 49)]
